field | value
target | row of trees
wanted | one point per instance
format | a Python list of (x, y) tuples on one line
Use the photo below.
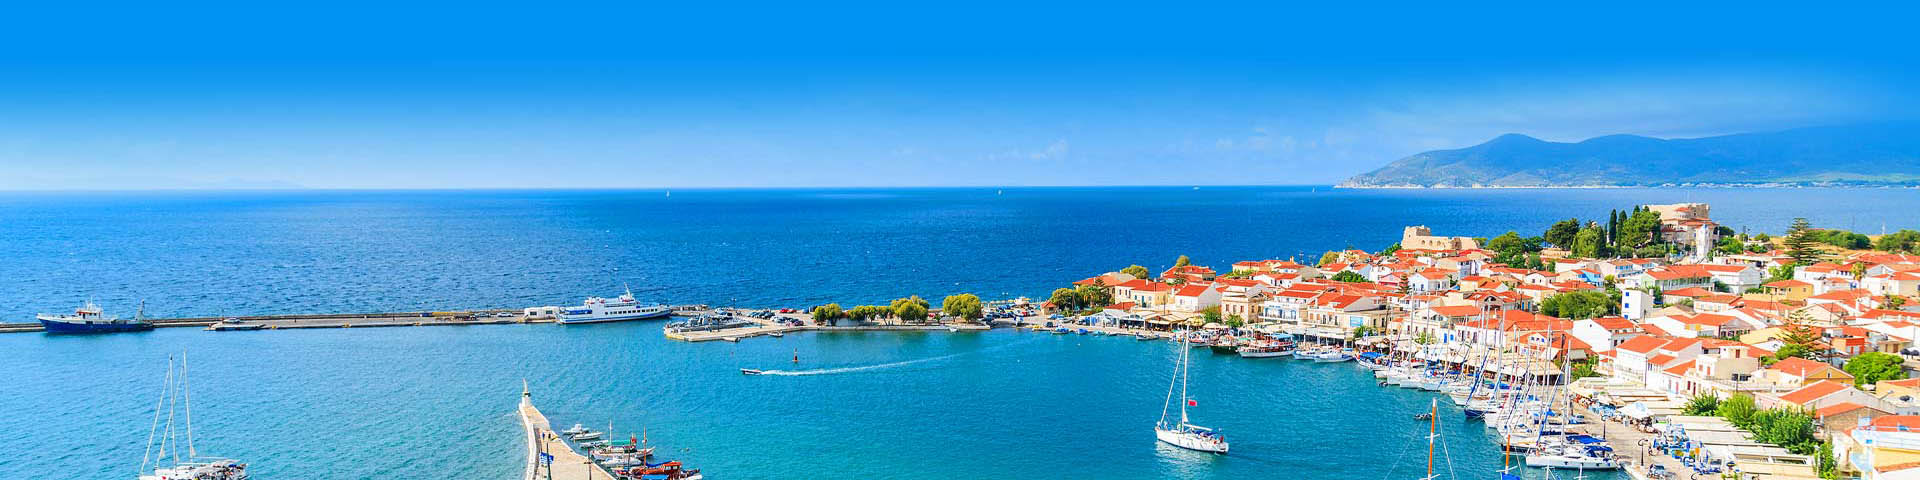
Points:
[(1633, 232), (1787, 427), (912, 309)]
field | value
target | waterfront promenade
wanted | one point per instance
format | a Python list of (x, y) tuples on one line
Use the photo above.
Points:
[(566, 464)]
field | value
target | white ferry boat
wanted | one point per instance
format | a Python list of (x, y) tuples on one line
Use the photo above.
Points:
[(619, 309)]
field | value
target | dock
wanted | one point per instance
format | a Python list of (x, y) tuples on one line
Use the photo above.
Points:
[(548, 456), (334, 320), (768, 326)]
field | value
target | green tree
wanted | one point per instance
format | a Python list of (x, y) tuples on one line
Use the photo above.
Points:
[(1423, 338), (1395, 247), (1590, 243), (1235, 321), (1638, 230), (1349, 276), (1872, 367), (1787, 427), (1065, 299), (1903, 241), (1182, 261), (1802, 244), (1578, 305), (825, 313), (1508, 243), (1702, 404), (1362, 332), (1136, 271), (1895, 301), (965, 305), (1584, 369), (910, 311), (1738, 410), (1562, 232), (1094, 296), (1829, 468), (1211, 314), (1790, 351)]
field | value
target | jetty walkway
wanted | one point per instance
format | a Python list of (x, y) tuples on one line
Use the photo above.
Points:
[(548, 456)]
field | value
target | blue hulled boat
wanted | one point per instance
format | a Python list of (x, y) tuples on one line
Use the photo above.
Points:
[(88, 319)]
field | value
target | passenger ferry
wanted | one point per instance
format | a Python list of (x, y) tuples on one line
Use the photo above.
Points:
[(88, 319), (622, 308)]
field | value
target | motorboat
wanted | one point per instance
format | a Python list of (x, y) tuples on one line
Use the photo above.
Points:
[(576, 429), (750, 371)]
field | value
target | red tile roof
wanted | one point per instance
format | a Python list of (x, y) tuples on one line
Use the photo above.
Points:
[(1798, 367), (1642, 344), (1836, 409), (1693, 292), (1814, 391), (1901, 422)]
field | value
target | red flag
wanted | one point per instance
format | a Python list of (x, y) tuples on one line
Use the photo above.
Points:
[(1193, 403)]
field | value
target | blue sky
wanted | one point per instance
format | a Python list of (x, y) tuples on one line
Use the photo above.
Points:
[(574, 95)]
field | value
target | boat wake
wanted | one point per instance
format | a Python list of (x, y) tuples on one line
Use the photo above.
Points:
[(883, 366)]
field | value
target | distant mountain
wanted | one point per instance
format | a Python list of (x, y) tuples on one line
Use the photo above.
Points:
[(1885, 154)]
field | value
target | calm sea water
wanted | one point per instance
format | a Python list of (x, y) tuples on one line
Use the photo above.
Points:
[(437, 402)]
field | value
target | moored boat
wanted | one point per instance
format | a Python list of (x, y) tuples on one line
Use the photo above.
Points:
[(617, 309), (89, 319)]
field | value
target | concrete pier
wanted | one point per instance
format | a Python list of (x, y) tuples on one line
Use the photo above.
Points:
[(543, 442)]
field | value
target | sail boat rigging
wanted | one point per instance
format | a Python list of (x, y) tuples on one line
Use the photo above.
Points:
[(1184, 434), (168, 452)]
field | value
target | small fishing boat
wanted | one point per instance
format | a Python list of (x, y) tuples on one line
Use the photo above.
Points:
[(576, 429), (776, 334), (1143, 337), (587, 435), (750, 371), (952, 330), (1423, 416)]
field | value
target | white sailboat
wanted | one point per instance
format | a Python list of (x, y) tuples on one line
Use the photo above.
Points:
[(1183, 434), (163, 446)]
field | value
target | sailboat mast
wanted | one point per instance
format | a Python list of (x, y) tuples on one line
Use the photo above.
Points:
[(1185, 348), (186, 390), (152, 431), (1433, 432)]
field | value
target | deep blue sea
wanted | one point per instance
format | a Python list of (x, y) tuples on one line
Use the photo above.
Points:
[(437, 402)]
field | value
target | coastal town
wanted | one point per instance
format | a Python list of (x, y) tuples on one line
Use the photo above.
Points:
[(1657, 341), (1711, 350)]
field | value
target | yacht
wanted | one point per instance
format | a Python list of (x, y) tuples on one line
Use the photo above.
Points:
[(164, 447), (1185, 434), (617, 309)]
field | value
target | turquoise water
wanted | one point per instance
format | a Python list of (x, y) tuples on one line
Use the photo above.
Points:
[(437, 402)]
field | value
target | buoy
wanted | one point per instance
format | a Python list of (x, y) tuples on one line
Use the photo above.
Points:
[(796, 355)]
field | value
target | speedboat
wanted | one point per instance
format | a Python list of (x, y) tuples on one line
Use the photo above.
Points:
[(750, 371), (587, 435), (575, 430)]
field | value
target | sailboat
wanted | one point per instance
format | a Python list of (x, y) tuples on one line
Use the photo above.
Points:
[(1183, 434), (163, 446)]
